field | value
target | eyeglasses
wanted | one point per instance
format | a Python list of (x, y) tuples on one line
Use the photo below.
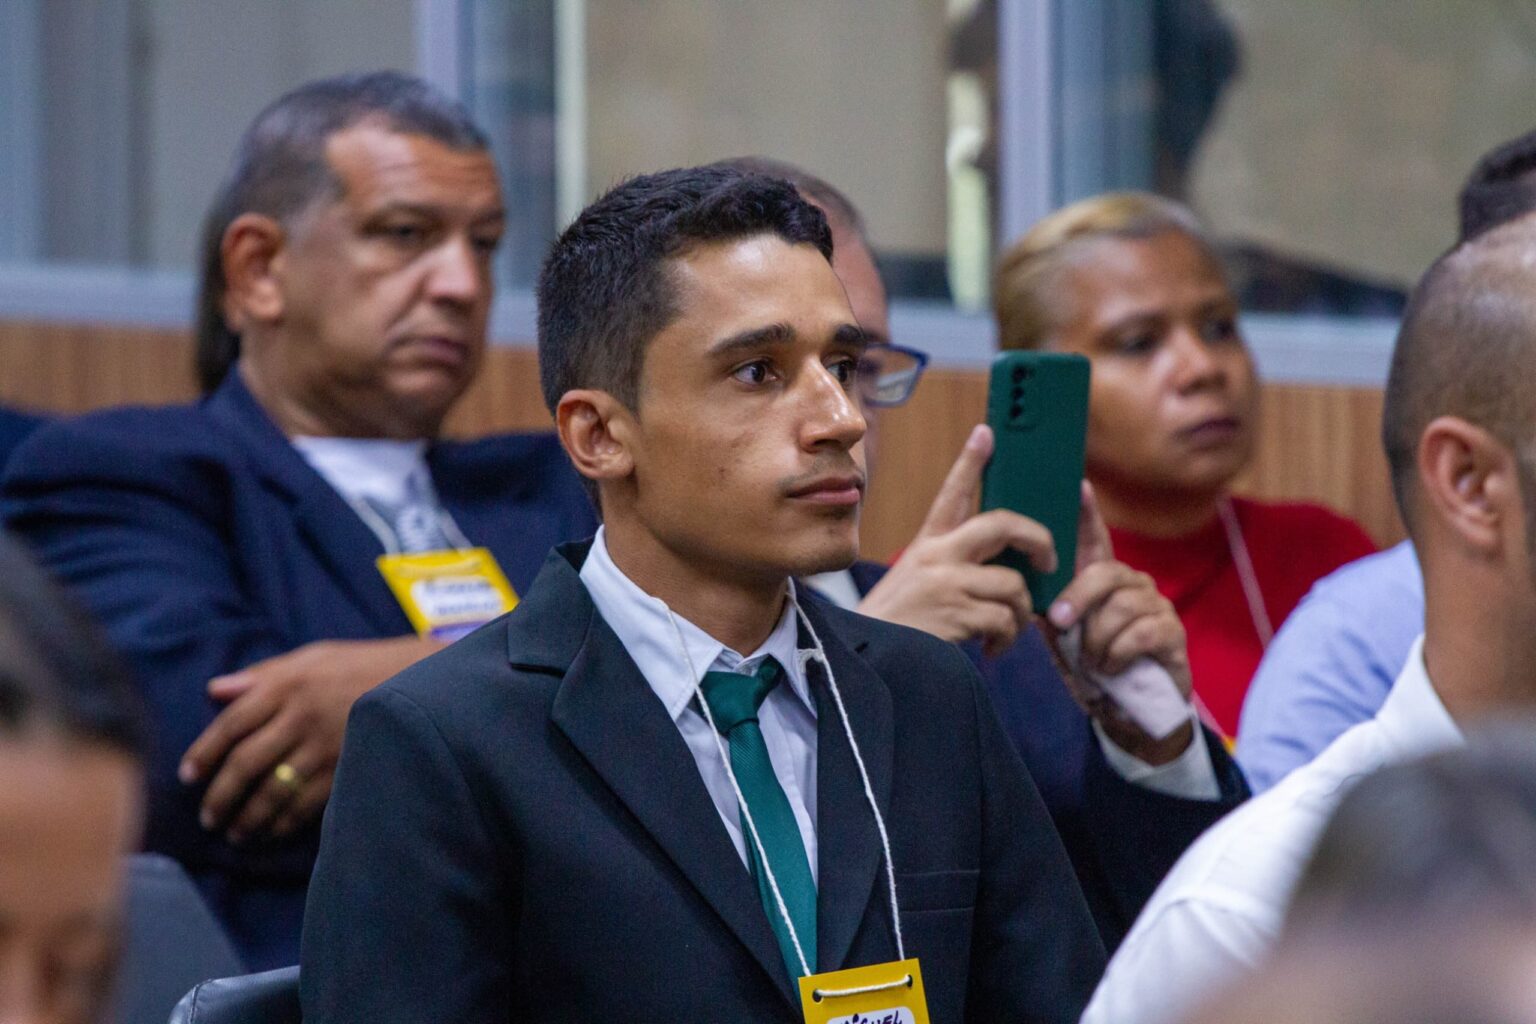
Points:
[(889, 373)]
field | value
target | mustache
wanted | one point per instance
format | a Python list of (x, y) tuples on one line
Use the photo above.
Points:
[(827, 464)]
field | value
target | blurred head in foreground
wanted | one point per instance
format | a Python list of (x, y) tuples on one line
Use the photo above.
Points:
[(1471, 971), (1446, 837), (71, 748), (1419, 901)]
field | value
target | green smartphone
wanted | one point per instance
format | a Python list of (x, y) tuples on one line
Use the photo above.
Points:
[(1037, 407)]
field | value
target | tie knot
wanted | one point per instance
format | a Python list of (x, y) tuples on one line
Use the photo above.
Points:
[(734, 697)]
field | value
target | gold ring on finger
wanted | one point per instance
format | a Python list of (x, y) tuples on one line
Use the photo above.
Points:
[(286, 775)]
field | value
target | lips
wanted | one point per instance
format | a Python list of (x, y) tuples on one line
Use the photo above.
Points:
[(837, 490), (439, 349), (1217, 430)]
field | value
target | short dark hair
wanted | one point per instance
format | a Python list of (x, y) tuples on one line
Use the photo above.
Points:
[(818, 190), (604, 290), (1466, 346), (58, 676), (280, 170), (1500, 188)]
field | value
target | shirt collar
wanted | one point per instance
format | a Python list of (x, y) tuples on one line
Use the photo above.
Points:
[(642, 625), (1413, 720)]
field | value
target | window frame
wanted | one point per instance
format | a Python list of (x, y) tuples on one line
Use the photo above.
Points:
[(1330, 351)]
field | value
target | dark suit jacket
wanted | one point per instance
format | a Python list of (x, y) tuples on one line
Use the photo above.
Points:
[(14, 428), (519, 832), (204, 542), (1122, 838)]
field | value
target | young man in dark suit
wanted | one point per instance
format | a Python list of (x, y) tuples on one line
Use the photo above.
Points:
[(538, 824), (230, 546), (1126, 807)]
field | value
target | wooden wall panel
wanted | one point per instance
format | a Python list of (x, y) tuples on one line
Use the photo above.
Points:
[(1316, 443), (73, 368)]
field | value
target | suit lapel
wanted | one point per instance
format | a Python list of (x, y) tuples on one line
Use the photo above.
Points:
[(851, 874), (338, 538), (611, 715)]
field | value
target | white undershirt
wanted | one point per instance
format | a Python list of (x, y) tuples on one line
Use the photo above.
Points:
[(389, 485), (366, 469)]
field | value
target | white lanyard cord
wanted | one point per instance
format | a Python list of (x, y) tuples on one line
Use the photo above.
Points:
[(1250, 579), (376, 523), (390, 539), (820, 654), (869, 793), (741, 799), (451, 530)]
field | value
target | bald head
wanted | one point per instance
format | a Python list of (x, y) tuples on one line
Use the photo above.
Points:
[(1467, 348)]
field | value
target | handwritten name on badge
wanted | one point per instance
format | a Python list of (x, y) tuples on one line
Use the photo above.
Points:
[(457, 598), (890, 993), (895, 1015), (447, 594)]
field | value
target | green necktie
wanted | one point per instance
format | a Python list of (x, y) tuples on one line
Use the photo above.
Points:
[(733, 702)]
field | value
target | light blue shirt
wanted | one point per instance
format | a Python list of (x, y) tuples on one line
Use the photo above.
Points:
[(787, 716), (1332, 663)]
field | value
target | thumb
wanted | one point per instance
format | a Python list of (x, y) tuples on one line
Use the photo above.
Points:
[(961, 490)]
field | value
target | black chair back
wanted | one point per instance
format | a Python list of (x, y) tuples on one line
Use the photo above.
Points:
[(271, 997), (171, 942)]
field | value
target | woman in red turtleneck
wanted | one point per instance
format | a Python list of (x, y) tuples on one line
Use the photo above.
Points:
[(1129, 280)]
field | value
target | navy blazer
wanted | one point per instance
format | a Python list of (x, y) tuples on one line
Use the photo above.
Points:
[(204, 542), (519, 832), (1122, 838), (14, 428)]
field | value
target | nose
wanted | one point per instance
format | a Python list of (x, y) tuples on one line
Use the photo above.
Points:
[(834, 418), (460, 274), (1198, 365)]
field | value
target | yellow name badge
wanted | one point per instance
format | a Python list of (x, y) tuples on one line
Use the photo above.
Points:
[(879, 994), (448, 594)]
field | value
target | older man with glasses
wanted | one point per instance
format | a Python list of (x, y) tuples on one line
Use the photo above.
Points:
[(1126, 808)]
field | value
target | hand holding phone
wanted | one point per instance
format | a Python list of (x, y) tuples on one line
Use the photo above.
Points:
[(1037, 407)]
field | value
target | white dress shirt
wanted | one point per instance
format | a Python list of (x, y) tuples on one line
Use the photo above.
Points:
[(1190, 775), (787, 716), (389, 485), (1221, 907), (365, 469)]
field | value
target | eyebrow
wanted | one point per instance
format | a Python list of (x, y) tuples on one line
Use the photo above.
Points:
[(772, 335), (428, 211)]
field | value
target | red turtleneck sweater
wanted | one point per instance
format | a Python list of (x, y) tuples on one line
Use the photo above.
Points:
[(1291, 545)]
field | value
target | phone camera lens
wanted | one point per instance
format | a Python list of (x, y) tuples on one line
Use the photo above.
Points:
[(1019, 373), (1018, 392), (1016, 411)]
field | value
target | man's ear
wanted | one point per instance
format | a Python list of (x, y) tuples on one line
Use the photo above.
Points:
[(1471, 482), (598, 433), (252, 254)]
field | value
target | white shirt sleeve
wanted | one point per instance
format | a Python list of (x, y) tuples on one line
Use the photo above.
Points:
[(1177, 956), (1190, 775)]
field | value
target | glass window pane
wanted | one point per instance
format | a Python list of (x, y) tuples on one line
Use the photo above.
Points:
[(1323, 140), (512, 91), (124, 114), (868, 96)]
